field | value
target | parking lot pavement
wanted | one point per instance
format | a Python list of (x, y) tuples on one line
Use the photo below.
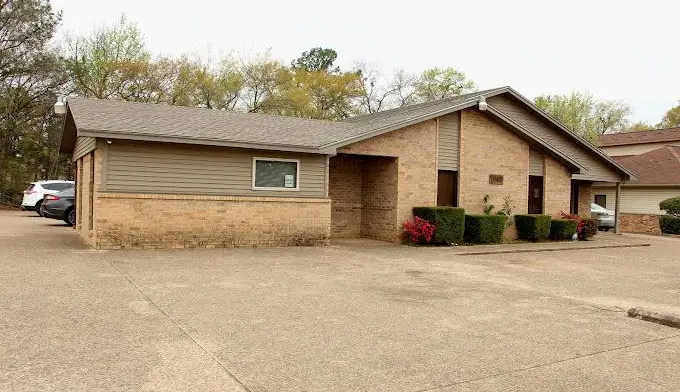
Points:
[(369, 317)]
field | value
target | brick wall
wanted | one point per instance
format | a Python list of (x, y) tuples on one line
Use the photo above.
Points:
[(129, 221), (640, 223), (487, 148), (415, 148), (379, 198), (556, 188), (344, 189), (584, 198)]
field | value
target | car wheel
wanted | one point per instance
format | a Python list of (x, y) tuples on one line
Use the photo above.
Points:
[(70, 217), (37, 207), (607, 228)]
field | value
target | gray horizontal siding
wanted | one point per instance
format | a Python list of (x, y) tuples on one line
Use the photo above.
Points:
[(535, 163), (449, 146), (83, 145), (166, 168), (596, 169)]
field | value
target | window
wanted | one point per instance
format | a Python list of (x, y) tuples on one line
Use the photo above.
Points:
[(601, 200), (276, 174), (495, 179), (57, 186)]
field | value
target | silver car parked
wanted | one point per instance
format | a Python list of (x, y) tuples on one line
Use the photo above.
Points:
[(604, 216)]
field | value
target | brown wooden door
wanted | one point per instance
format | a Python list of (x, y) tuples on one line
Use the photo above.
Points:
[(447, 188), (535, 195)]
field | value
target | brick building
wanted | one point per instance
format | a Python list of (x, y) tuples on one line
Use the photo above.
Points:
[(157, 176)]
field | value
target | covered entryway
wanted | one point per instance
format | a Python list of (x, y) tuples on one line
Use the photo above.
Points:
[(363, 191)]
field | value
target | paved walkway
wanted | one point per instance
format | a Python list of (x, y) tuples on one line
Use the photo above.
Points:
[(340, 318)]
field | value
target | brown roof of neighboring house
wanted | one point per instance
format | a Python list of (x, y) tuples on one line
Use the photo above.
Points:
[(657, 167), (639, 137)]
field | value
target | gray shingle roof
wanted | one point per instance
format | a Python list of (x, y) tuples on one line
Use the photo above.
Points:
[(163, 121), (387, 118), (198, 124)]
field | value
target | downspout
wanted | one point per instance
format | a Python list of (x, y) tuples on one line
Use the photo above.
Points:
[(617, 211)]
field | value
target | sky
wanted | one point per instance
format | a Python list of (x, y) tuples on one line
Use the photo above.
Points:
[(621, 50)]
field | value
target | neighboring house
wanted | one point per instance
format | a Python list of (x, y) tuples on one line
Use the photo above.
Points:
[(654, 156), (166, 176)]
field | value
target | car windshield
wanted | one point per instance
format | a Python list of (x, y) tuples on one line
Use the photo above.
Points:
[(596, 207)]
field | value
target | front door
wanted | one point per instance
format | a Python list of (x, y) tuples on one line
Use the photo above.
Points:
[(535, 195), (447, 188)]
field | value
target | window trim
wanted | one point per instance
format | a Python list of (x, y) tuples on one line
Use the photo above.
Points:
[(267, 188)]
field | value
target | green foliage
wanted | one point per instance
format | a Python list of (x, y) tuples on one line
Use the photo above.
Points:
[(317, 60), (671, 206), (31, 72), (487, 206), (533, 227), (439, 83), (640, 126), (449, 223), (562, 229), (111, 63), (671, 118), (484, 228), (584, 115), (669, 224)]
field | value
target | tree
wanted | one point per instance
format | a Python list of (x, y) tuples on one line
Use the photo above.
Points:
[(584, 115), (199, 84), (671, 118), (30, 73), (315, 94), (110, 62), (440, 83), (640, 126), (611, 116), (317, 60), (262, 76), (373, 95)]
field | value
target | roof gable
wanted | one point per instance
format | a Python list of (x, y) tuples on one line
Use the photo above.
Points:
[(374, 124)]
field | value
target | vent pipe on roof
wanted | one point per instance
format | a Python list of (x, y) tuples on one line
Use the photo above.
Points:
[(482, 104), (60, 106)]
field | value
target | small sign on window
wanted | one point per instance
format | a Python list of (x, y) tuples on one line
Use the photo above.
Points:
[(289, 181)]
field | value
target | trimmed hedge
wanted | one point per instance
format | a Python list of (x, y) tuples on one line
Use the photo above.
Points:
[(449, 223), (532, 227), (669, 224), (562, 229), (484, 229), (671, 206)]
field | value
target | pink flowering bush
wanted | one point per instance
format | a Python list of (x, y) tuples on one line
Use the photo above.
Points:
[(418, 231)]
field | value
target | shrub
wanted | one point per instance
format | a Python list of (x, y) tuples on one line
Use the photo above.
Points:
[(589, 227), (562, 229), (484, 228), (532, 227), (449, 223), (585, 227), (672, 206), (419, 231), (669, 224)]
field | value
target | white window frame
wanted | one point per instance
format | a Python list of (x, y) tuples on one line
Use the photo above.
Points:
[(266, 188)]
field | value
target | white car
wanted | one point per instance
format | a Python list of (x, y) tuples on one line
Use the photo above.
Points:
[(603, 215), (36, 191)]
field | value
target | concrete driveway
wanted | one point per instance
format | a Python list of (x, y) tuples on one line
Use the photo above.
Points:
[(342, 318)]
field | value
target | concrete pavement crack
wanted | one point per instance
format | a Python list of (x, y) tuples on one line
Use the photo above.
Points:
[(212, 357), (545, 364)]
